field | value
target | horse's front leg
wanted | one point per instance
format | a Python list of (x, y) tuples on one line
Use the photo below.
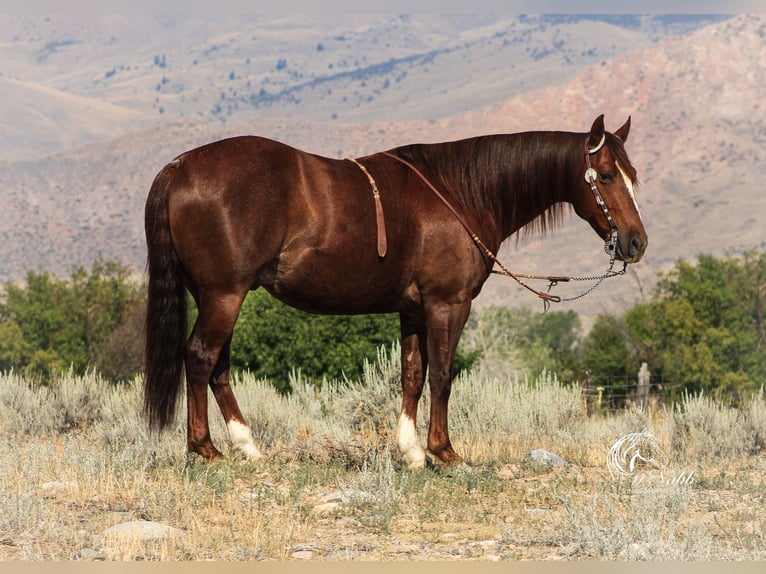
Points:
[(414, 364), (445, 325)]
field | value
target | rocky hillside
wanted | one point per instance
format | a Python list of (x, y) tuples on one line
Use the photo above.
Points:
[(68, 80), (96, 108)]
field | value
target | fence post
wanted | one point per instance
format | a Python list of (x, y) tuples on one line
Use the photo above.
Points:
[(642, 391), (586, 392)]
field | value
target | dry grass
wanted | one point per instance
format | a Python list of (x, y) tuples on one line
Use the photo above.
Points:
[(77, 460)]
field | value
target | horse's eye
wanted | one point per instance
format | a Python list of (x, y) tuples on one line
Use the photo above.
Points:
[(606, 177)]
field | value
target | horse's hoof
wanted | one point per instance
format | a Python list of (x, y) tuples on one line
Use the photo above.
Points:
[(448, 462), (208, 452), (434, 465)]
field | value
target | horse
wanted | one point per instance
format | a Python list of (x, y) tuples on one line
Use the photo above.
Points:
[(410, 231)]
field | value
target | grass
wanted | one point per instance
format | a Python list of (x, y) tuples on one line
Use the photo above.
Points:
[(77, 460)]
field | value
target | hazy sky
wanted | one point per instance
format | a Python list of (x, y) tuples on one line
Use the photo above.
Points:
[(384, 6)]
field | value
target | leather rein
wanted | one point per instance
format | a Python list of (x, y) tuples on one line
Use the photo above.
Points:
[(591, 176)]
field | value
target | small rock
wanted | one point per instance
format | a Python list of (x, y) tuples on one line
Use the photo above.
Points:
[(142, 530), (336, 496), (542, 456), (302, 555)]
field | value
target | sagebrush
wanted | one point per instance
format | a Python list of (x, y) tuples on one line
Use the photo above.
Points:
[(77, 458)]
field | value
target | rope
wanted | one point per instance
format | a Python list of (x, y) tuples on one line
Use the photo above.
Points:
[(552, 279)]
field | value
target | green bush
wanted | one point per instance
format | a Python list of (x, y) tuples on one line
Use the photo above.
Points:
[(49, 324), (271, 339), (705, 327)]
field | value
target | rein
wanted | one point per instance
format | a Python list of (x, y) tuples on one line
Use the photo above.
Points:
[(610, 246)]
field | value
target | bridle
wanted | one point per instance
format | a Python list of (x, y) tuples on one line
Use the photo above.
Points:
[(610, 246), (591, 176)]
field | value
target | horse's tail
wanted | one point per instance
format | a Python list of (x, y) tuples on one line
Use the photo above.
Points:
[(166, 309)]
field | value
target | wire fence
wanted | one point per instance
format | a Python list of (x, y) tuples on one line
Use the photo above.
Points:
[(612, 394)]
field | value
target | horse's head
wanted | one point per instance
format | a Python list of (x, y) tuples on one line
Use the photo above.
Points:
[(605, 192)]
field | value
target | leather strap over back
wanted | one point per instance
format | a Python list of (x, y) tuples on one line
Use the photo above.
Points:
[(379, 219)]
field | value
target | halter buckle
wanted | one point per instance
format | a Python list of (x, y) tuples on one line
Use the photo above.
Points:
[(610, 246)]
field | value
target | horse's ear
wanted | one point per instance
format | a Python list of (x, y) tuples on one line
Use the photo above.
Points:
[(596, 132), (622, 133)]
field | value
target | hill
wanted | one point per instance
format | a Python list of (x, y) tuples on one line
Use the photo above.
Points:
[(233, 69), (695, 97)]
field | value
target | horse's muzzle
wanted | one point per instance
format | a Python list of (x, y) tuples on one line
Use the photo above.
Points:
[(632, 250)]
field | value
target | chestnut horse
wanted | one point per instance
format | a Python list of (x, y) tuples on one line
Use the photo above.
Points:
[(249, 212)]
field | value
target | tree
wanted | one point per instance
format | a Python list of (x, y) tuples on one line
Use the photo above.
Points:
[(536, 340), (606, 357), (121, 354), (704, 328), (50, 324), (271, 339), (15, 351), (39, 313)]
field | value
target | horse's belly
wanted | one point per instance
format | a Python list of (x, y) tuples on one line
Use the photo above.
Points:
[(331, 284)]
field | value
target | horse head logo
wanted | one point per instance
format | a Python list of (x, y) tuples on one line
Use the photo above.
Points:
[(635, 450)]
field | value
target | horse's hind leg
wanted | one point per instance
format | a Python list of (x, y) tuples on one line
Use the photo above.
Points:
[(239, 433), (212, 331)]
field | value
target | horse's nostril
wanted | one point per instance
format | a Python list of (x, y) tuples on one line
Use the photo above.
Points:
[(636, 244)]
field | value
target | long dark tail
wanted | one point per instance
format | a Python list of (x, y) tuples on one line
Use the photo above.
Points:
[(166, 312)]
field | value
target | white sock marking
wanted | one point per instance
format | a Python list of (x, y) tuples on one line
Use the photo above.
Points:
[(242, 439), (412, 453)]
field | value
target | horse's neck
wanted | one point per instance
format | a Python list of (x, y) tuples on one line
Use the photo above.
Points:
[(503, 182), (539, 171)]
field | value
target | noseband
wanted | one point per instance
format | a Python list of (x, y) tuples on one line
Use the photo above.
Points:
[(591, 176)]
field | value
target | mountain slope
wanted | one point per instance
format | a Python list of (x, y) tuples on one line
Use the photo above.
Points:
[(232, 69), (698, 140)]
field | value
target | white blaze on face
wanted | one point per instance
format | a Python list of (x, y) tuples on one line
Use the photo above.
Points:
[(242, 439), (411, 451), (629, 185)]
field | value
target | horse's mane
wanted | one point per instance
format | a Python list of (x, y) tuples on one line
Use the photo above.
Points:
[(526, 175)]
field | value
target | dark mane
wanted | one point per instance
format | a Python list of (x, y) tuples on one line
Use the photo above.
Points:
[(488, 174)]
